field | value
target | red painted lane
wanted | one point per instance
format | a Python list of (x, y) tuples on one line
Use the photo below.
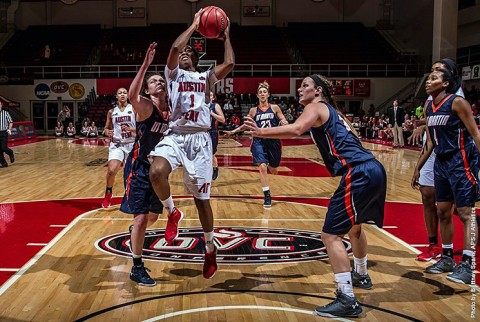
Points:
[(29, 222)]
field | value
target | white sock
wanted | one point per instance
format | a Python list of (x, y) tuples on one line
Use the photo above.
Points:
[(468, 252), (209, 245), (265, 188), (360, 265), (344, 283), (168, 203), (449, 246), (136, 256)]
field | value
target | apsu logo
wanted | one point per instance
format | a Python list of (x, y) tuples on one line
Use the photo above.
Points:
[(236, 245)]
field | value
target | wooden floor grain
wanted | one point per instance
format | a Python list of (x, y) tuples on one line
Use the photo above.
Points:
[(73, 280)]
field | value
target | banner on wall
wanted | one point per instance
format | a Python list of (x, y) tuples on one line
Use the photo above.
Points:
[(466, 73), (347, 87), (22, 131), (476, 72), (65, 89)]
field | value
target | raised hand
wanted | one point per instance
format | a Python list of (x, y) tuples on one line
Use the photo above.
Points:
[(150, 55)]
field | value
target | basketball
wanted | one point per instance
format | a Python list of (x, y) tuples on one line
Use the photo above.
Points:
[(213, 22)]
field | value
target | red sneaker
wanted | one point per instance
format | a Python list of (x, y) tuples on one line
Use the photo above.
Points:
[(210, 265), (432, 252), (171, 231), (107, 200)]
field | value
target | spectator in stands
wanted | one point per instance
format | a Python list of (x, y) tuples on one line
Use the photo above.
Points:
[(46, 52), (419, 111), (371, 110), (228, 106), (71, 131), (235, 121), (85, 129), (408, 126), (93, 131), (289, 116), (64, 114), (59, 130)]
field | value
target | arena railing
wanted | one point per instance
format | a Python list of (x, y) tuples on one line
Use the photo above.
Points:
[(240, 70)]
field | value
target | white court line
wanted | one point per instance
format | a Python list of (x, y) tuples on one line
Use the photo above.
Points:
[(37, 244), (420, 245), (35, 258), (9, 269), (196, 219), (390, 227), (59, 226), (236, 307)]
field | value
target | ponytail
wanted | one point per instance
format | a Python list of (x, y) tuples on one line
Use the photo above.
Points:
[(327, 89)]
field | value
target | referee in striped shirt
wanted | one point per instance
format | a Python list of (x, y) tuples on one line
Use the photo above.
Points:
[(6, 124)]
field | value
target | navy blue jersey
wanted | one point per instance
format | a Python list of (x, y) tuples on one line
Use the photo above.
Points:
[(213, 121), (267, 118), (149, 133), (339, 146), (448, 133)]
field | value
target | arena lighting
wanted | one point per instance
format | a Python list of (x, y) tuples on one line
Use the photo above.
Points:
[(318, 1)]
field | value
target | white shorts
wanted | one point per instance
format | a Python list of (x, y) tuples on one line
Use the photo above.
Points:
[(193, 152), (118, 151), (426, 172)]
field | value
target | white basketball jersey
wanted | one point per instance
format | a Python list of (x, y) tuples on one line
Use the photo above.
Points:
[(119, 118), (187, 91)]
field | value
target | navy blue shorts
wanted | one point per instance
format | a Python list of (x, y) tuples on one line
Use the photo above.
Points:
[(360, 198), (456, 177), (214, 136), (139, 197), (267, 151)]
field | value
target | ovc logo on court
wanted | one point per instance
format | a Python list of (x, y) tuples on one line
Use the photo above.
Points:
[(236, 245)]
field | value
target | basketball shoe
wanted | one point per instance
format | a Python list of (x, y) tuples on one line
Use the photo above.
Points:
[(140, 275), (215, 173), (361, 281), (267, 201), (433, 252), (171, 231), (107, 200), (343, 306), (444, 265), (462, 273), (210, 265)]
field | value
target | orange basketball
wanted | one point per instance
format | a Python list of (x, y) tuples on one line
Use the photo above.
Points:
[(213, 22)]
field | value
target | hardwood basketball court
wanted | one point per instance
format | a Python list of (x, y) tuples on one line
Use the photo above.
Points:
[(271, 264)]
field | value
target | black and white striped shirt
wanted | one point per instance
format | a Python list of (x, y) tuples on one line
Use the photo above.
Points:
[(5, 119)]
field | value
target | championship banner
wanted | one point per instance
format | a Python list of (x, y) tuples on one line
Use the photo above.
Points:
[(476, 72), (22, 131)]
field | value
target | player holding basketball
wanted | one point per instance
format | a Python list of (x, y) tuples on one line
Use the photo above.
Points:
[(454, 136), (189, 143), (266, 153), (360, 196), (217, 116), (140, 199)]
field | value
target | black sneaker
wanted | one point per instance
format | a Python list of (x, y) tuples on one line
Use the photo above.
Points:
[(361, 281), (12, 158), (343, 306), (267, 201), (130, 229), (215, 173), (139, 274), (444, 265), (461, 274)]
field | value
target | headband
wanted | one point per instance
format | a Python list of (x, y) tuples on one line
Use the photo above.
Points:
[(320, 83)]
